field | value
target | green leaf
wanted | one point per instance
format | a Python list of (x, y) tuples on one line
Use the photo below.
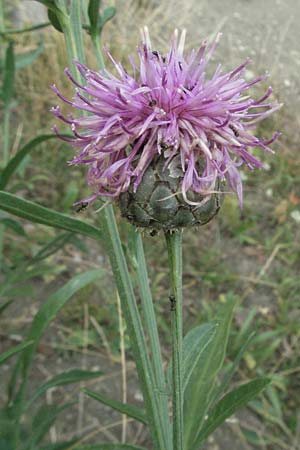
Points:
[(60, 445), (109, 447), (13, 164), (93, 12), (9, 75), (13, 225), (27, 58), (107, 15), (43, 421), (130, 410), (50, 308), (194, 344), (52, 16), (12, 351), (4, 305), (68, 377), (45, 216), (225, 382), (202, 380), (229, 404)]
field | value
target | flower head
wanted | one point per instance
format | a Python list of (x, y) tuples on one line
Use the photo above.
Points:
[(167, 109)]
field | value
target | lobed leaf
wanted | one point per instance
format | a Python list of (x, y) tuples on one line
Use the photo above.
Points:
[(93, 13)]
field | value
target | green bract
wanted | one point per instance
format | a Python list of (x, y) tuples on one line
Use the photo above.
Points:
[(158, 203)]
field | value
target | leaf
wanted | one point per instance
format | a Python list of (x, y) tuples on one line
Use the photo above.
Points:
[(229, 404), (13, 225), (25, 59), (43, 421), (202, 380), (194, 344), (225, 382), (45, 216), (54, 20), (105, 446), (124, 408), (9, 75), (50, 308), (4, 305), (68, 377), (107, 15), (12, 351), (61, 445), (20, 155), (93, 12)]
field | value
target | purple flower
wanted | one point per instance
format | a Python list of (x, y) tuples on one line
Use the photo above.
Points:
[(166, 107)]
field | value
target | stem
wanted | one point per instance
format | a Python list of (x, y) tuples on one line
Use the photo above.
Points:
[(23, 30), (99, 55), (174, 246), (134, 324), (151, 326)]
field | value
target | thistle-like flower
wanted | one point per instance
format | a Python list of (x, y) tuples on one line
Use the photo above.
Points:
[(164, 139)]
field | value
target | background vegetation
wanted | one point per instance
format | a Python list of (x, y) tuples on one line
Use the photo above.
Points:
[(254, 254)]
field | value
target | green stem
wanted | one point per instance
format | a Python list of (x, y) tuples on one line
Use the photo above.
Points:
[(151, 326), (97, 45), (134, 325), (174, 246)]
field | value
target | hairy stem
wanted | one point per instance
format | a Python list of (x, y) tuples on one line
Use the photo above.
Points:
[(174, 246)]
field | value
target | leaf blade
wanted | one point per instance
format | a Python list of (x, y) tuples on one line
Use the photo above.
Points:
[(12, 351), (40, 214), (130, 410), (229, 404)]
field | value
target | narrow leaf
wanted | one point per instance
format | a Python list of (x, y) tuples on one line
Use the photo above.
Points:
[(12, 351), (194, 344), (27, 58), (61, 445), (52, 16), (93, 12), (13, 225), (130, 410), (229, 404), (50, 308), (105, 446), (69, 377), (4, 305), (20, 155), (43, 421), (225, 382), (202, 380), (9, 75), (107, 15), (45, 216)]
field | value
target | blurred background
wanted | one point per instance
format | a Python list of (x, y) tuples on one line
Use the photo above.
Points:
[(254, 254)]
